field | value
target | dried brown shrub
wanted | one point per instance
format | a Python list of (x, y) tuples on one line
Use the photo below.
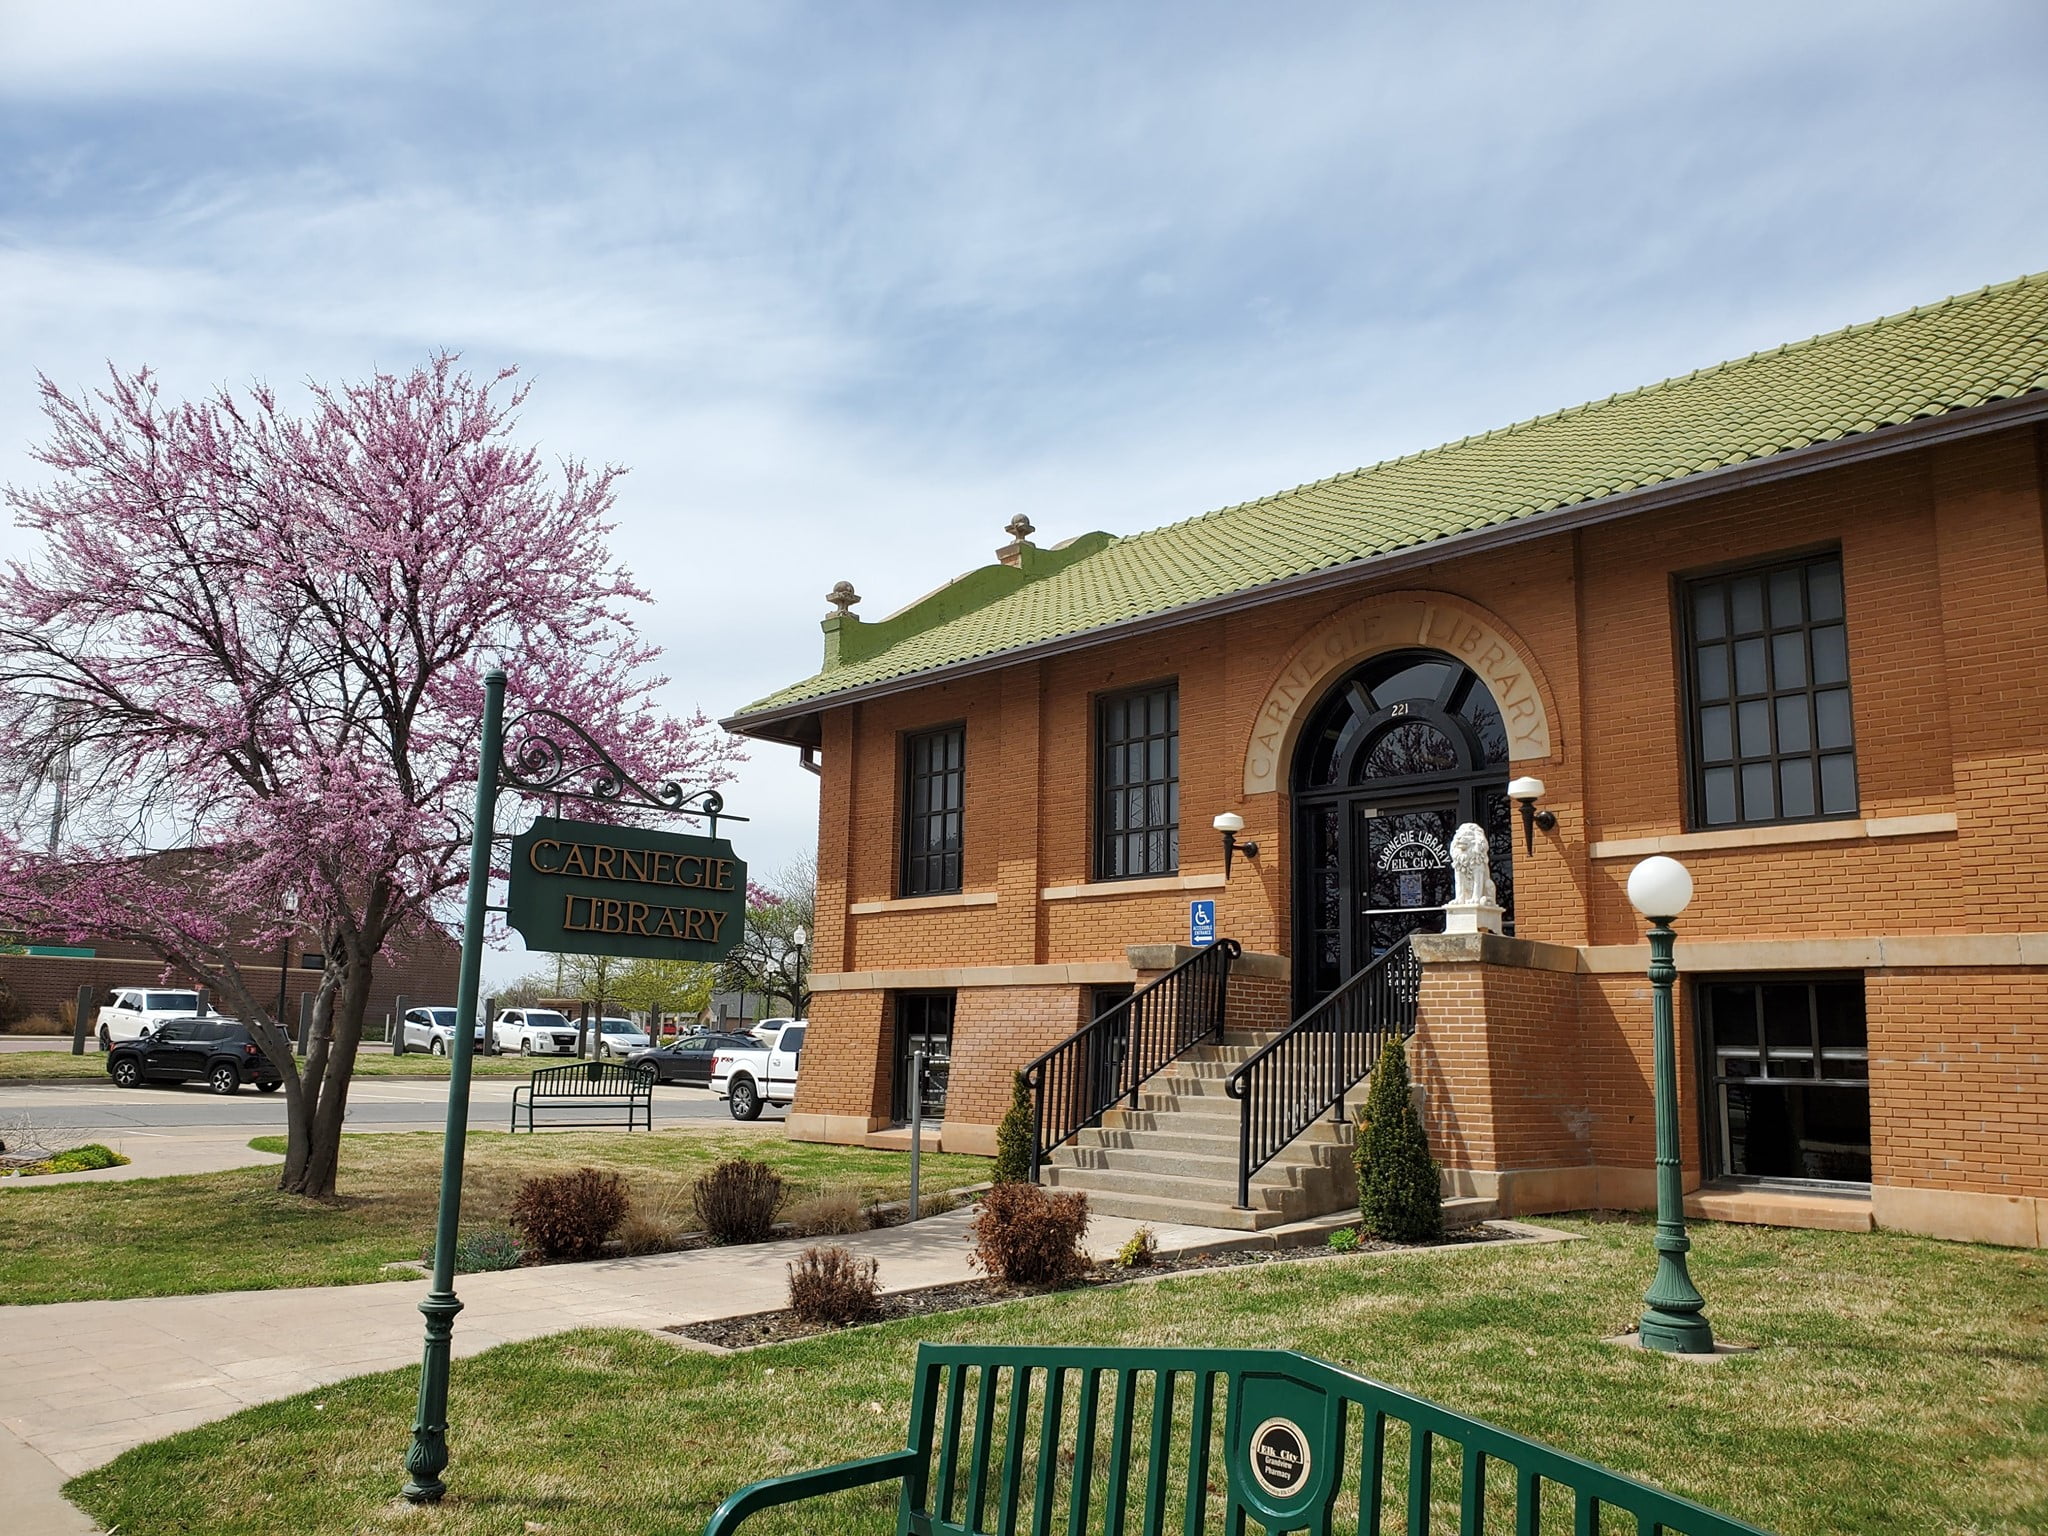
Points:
[(830, 1285), (737, 1200), (1024, 1235), (832, 1213), (569, 1215)]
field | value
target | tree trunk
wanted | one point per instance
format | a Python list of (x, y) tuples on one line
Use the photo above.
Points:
[(337, 1044)]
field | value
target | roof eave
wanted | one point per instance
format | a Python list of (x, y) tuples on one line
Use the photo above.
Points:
[(797, 723)]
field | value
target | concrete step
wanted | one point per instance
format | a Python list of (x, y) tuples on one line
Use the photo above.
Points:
[(1172, 1143), (1193, 1213), (1207, 1191), (1207, 1164)]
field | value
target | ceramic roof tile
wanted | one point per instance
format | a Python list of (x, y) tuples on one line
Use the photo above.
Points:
[(1980, 347)]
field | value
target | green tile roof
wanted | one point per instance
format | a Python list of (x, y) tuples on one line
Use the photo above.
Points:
[(1965, 351)]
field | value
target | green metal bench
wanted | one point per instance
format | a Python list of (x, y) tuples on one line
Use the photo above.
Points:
[(1010, 1441), (584, 1086)]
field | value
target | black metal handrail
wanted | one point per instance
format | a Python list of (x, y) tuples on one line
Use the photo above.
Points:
[(1290, 1082), (1104, 1062)]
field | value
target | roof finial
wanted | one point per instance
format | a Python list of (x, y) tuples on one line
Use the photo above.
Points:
[(1019, 527), (842, 597)]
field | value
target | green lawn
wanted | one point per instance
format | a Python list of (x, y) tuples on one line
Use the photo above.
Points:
[(1901, 1386), (235, 1231), (63, 1067)]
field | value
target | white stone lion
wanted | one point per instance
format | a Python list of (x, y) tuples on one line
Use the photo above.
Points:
[(1472, 878)]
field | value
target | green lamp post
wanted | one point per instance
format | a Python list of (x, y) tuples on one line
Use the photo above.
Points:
[(1674, 1315), (429, 1454)]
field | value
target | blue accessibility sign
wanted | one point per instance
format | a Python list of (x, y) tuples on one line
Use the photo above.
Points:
[(1201, 923)]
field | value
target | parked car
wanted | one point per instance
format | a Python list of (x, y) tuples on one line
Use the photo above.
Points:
[(688, 1059), (218, 1052), (747, 1079), (432, 1029), (132, 1012), (615, 1037), (534, 1032)]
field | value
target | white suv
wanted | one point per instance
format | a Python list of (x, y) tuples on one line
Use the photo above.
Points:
[(432, 1029), (132, 1012), (534, 1032)]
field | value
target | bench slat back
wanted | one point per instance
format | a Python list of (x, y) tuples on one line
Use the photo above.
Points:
[(1071, 1441), (601, 1078)]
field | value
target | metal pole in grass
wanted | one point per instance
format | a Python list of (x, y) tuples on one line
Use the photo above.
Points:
[(1674, 1316), (916, 1123), (429, 1454)]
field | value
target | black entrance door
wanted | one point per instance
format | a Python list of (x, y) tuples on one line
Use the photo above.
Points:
[(1396, 757)]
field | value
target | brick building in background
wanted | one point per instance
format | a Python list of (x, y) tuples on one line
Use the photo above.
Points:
[(44, 978), (1784, 619)]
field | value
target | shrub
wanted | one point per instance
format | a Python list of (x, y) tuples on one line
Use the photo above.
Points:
[(1014, 1136), (1400, 1192), (480, 1252), (652, 1227), (1024, 1235), (830, 1285), (1139, 1249), (831, 1213), (737, 1200), (1344, 1240), (77, 1160), (569, 1215)]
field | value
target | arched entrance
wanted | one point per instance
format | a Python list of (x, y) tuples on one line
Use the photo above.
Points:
[(1397, 754)]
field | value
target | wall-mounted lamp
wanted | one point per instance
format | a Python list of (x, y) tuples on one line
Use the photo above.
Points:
[(1230, 824), (1528, 792)]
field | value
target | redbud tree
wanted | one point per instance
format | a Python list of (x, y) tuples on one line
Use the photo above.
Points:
[(256, 636)]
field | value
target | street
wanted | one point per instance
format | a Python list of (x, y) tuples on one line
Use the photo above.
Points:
[(383, 1104)]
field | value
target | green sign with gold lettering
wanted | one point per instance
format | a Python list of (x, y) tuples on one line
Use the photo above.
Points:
[(582, 889)]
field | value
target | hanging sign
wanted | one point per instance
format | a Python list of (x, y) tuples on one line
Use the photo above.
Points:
[(579, 888)]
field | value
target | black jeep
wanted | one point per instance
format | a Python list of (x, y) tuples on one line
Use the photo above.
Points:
[(218, 1052)]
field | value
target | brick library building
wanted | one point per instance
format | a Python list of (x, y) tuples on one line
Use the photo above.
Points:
[(1171, 822)]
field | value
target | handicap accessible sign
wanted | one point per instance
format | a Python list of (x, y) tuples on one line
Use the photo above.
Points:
[(1201, 923)]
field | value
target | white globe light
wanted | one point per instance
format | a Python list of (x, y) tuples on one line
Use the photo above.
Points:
[(1229, 821), (1660, 887)]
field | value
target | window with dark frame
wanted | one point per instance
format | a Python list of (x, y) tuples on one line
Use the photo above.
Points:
[(1767, 695), (934, 781), (1137, 783), (924, 1022), (1786, 1077)]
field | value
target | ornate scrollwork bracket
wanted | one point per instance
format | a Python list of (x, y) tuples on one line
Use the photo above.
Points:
[(547, 753)]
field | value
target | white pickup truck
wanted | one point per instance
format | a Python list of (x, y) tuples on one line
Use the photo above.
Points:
[(748, 1079)]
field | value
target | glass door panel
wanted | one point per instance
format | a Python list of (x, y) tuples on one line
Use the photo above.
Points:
[(1405, 872)]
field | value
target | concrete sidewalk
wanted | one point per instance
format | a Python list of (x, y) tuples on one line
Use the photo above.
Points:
[(82, 1381)]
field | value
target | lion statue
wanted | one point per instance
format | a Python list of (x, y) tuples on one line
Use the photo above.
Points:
[(1472, 879)]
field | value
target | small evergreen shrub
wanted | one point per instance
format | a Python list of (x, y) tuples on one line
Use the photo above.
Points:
[(1024, 1235), (736, 1201), (1014, 1136), (1400, 1192), (1139, 1250), (569, 1215), (1344, 1240), (831, 1286), (481, 1252)]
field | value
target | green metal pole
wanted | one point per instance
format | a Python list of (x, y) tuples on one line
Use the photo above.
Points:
[(429, 1454), (1674, 1317)]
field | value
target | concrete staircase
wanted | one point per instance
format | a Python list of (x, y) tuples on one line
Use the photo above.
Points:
[(1174, 1157)]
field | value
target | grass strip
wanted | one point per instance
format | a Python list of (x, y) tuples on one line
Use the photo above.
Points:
[(235, 1230), (1901, 1385)]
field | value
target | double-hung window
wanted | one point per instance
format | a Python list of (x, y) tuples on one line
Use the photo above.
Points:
[(934, 783), (1137, 783), (1767, 674)]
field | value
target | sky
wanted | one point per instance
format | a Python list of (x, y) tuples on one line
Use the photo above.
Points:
[(848, 285)]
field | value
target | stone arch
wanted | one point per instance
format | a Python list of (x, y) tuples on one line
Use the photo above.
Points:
[(1392, 621)]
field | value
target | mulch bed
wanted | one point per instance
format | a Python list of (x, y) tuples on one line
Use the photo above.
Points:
[(781, 1326)]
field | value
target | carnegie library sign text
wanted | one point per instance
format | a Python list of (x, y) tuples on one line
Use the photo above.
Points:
[(582, 889), (1387, 623)]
